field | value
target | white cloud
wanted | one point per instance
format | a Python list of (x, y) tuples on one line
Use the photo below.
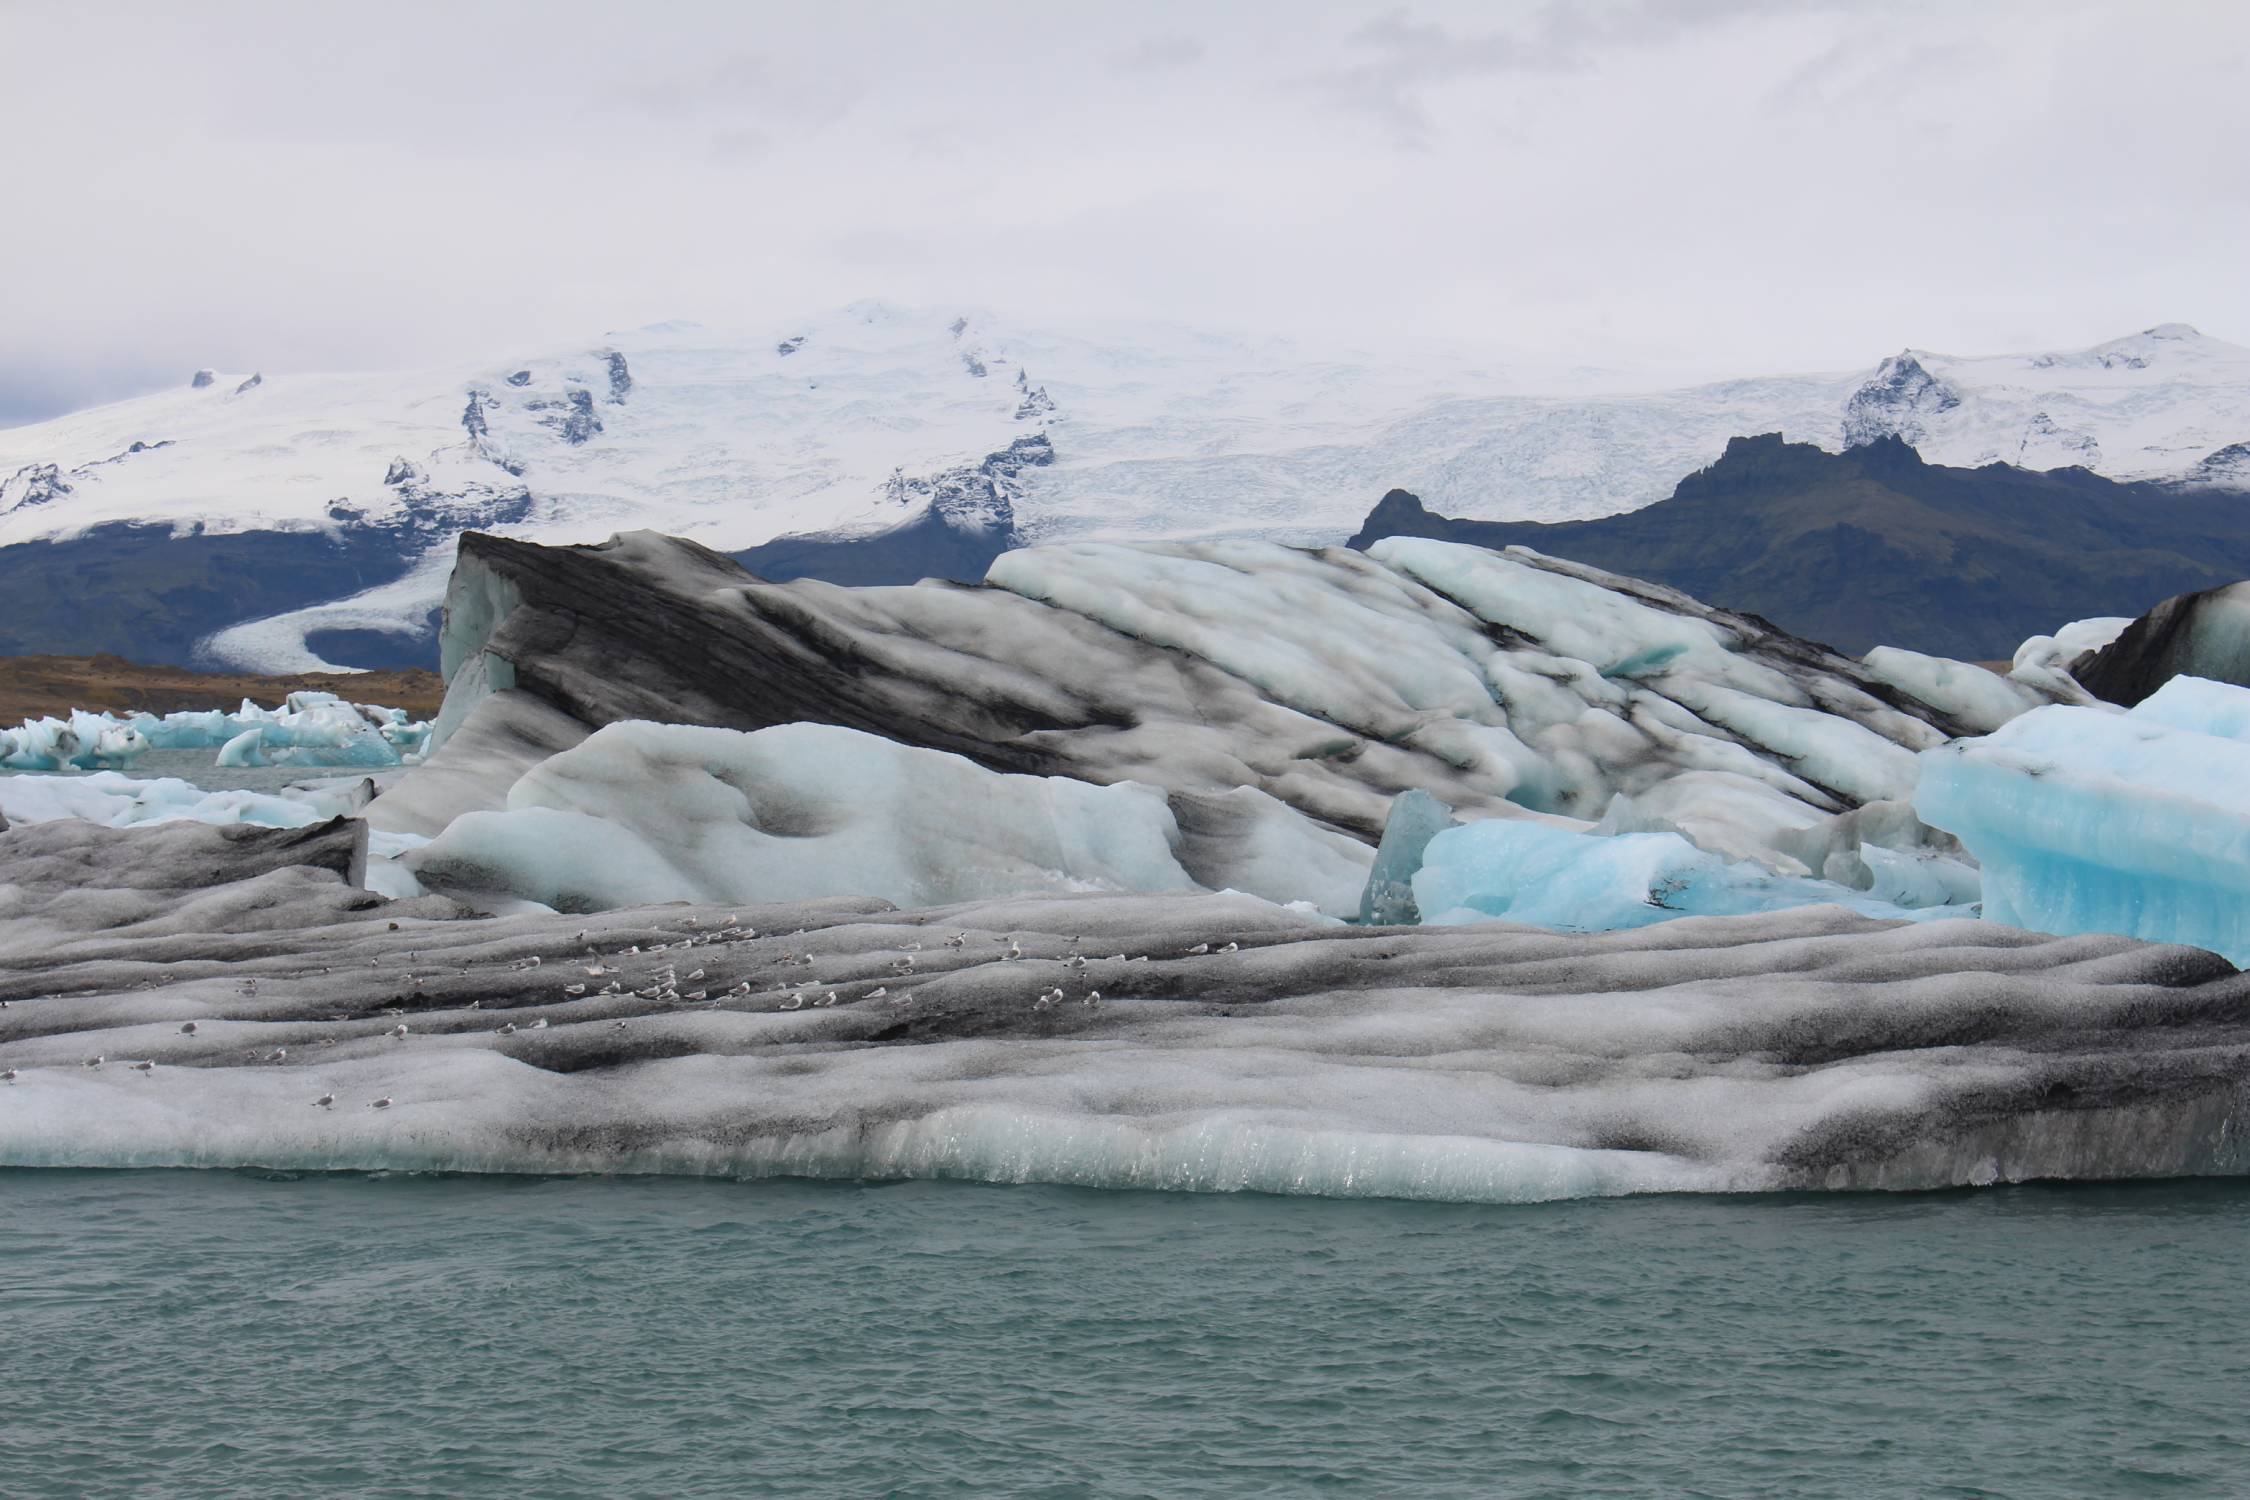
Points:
[(1739, 184)]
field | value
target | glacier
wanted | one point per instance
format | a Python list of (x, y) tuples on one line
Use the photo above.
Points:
[(2086, 820), (721, 436)]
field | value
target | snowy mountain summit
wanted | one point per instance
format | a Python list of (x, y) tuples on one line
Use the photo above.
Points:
[(875, 417)]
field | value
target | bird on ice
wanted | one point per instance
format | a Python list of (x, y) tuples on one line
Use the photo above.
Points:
[(1231, 948), (187, 1028), (399, 1030), (574, 989), (1200, 948), (382, 1103), (144, 1066), (324, 1101), (8, 1077), (540, 1024), (1093, 998), (878, 992), (507, 1028)]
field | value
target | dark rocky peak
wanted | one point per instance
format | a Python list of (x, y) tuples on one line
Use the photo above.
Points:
[(972, 364), (620, 378), (520, 378), (472, 416), (1035, 403), (789, 346), (203, 378), (34, 484), (1398, 513), (400, 472), (576, 420), (1897, 401), (250, 385), (959, 326), (2229, 466)]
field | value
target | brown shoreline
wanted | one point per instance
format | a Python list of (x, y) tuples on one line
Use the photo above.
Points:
[(32, 686)]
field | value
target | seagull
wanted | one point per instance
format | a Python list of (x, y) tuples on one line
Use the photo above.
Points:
[(144, 1066), (507, 1028), (597, 971), (1046, 1001), (540, 1024), (574, 989), (1093, 998), (689, 922), (617, 1025), (399, 1030), (324, 1101), (8, 1077), (382, 1103), (794, 1002), (1231, 948), (1015, 950), (187, 1028), (878, 992), (913, 947), (697, 974), (956, 940), (1077, 961), (580, 938), (281, 1054), (827, 999), (1200, 948), (695, 995), (634, 949)]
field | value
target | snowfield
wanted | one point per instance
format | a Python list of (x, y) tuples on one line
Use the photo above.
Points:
[(840, 421)]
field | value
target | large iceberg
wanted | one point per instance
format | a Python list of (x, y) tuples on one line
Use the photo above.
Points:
[(1505, 684), (1235, 1045), (641, 813), (2088, 820)]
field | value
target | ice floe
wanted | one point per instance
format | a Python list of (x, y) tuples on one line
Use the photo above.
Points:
[(2088, 820)]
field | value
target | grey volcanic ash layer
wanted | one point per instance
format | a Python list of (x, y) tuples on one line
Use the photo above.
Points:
[(181, 996)]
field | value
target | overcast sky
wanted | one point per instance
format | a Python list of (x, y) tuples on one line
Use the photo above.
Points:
[(1732, 185)]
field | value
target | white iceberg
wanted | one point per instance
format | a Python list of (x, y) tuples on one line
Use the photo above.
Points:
[(642, 813)]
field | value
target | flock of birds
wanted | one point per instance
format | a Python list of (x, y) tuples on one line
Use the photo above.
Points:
[(664, 985)]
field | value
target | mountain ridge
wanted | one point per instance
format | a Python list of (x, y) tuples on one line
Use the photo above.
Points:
[(1877, 546)]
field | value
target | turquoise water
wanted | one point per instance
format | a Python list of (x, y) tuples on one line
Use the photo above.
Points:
[(188, 1334)]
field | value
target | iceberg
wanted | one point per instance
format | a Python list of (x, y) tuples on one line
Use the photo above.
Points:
[(1236, 1045), (2089, 820), (1559, 878), (641, 813), (309, 729)]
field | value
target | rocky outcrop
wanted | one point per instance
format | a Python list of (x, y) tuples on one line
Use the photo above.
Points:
[(2205, 634), (1897, 401)]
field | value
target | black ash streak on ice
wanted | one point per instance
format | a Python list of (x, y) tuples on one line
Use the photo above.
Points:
[(1808, 1049)]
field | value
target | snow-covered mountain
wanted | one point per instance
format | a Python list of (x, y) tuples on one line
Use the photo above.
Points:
[(873, 417)]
